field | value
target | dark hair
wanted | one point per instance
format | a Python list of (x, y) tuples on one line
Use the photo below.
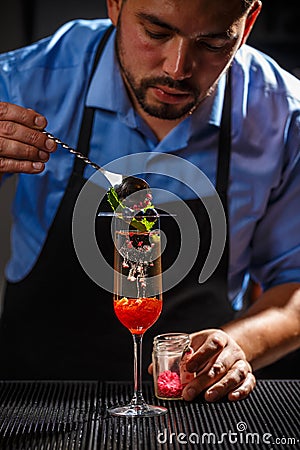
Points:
[(245, 4)]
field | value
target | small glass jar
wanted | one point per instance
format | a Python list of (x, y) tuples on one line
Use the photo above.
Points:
[(170, 354)]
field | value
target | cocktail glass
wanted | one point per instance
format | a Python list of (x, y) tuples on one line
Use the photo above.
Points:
[(137, 300)]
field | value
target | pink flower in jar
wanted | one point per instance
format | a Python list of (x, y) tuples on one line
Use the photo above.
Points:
[(169, 384)]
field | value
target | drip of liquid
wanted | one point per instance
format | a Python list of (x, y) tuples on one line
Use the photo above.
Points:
[(137, 258)]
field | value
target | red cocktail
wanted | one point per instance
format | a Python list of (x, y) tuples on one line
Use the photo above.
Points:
[(138, 314)]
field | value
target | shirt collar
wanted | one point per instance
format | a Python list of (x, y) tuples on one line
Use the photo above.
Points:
[(107, 91)]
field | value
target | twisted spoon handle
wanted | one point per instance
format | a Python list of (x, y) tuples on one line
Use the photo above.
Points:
[(75, 152)]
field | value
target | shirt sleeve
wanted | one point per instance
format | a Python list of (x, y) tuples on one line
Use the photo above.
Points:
[(276, 241), (4, 97)]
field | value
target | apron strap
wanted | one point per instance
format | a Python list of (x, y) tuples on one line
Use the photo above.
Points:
[(224, 144), (223, 170)]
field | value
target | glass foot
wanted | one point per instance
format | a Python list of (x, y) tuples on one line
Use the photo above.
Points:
[(142, 410)]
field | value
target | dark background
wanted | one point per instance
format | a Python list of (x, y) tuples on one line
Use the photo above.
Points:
[(277, 32)]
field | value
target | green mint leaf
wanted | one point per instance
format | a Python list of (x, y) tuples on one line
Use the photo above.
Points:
[(113, 199), (139, 225)]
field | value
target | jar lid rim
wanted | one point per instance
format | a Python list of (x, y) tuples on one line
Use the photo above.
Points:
[(171, 334)]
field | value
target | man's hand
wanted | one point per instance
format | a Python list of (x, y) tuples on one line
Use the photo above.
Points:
[(23, 146), (221, 367)]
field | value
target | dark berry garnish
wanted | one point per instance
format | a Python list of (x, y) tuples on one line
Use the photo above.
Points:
[(130, 185), (139, 216), (151, 215)]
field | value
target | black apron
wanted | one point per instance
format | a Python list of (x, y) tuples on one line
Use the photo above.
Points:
[(58, 324)]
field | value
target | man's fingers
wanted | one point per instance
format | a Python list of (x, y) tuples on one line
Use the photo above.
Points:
[(18, 114), (17, 150), (244, 390), (25, 135), (228, 379), (150, 369), (23, 147), (8, 165), (205, 378), (229, 356), (236, 378), (209, 349)]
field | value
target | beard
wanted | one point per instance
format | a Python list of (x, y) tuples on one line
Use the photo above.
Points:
[(139, 89), (163, 110)]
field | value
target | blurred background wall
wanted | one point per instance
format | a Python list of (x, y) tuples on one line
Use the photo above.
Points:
[(277, 32)]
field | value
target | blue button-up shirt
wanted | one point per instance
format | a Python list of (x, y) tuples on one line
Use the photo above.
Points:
[(51, 76)]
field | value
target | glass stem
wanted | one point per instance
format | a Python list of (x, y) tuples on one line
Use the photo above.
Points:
[(137, 343)]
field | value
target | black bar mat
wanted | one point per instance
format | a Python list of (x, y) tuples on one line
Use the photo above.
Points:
[(73, 415), (47, 415)]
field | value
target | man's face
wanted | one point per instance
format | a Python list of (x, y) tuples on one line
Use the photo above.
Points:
[(172, 52)]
